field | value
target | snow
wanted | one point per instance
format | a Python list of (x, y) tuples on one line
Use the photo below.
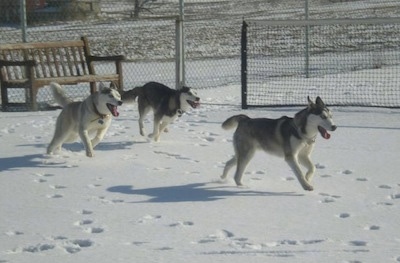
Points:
[(142, 201)]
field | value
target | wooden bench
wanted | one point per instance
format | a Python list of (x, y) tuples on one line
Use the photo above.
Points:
[(31, 66)]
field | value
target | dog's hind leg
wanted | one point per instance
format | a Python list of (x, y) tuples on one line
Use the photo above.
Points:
[(156, 129), (293, 163), (229, 164), (143, 110), (56, 142), (243, 158)]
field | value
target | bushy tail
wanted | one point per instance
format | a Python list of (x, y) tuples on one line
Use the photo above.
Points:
[(130, 95), (233, 121), (59, 94)]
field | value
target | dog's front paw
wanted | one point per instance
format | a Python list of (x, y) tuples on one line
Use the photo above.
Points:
[(308, 187), (89, 154)]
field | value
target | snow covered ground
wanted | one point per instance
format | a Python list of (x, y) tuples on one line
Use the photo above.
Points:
[(140, 201)]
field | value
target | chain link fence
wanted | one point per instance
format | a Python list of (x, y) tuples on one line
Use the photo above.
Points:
[(145, 31)]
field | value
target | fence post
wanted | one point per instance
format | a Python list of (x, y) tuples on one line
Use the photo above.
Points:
[(22, 11), (307, 43), (180, 50), (244, 64)]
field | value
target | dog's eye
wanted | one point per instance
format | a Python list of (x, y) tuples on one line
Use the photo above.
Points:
[(323, 116), (111, 96)]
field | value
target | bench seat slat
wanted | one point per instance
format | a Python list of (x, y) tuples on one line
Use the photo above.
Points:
[(73, 80)]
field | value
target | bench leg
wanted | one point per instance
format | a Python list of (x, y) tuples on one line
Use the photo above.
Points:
[(33, 98), (4, 97)]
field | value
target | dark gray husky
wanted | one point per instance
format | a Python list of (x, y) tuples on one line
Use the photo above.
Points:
[(291, 138), (166, 103)]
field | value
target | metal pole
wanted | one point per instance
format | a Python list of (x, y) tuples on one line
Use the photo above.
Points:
[(22, 11), (307, 51), (181, 63), (244, 64)]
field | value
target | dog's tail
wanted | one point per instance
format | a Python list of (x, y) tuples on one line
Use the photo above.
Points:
[(59, 94), (130, 95), (233, 121)]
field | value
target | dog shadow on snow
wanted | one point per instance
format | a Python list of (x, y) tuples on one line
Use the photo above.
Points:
[(196, 192), (78, 146)]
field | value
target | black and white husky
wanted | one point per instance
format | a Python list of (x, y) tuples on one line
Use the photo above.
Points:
[(167, 104), (82, 118), (291, 138)]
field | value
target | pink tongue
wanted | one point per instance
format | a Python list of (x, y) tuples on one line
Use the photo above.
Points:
[(114, 111), (324, 133)]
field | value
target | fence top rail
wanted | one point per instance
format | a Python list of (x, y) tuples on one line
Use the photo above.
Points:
[(319, 22), (35, 45)]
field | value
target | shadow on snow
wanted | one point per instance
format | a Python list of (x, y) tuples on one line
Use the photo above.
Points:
[(196, 192)]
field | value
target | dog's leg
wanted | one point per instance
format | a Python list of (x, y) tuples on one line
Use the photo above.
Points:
[(83, 133), (304, 159), (156, 129), (163, 126), (243, 158), (142, 114), (55, 144), (60, 136), (229, 164), (293, 163), (99, 136)]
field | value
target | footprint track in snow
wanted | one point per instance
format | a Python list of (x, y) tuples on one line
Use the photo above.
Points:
[(148, 218), (327, 198), (182, 224), (176, 156)]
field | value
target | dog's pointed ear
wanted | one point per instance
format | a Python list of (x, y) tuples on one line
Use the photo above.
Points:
[(319, 102), (310, 102), (113, 85), (101, 86)]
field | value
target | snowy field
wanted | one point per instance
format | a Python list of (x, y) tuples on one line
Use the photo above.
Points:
[(140, 201)]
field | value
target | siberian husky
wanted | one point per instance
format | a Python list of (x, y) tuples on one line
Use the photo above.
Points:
[(167, 104), (93, 115), (291, 138)]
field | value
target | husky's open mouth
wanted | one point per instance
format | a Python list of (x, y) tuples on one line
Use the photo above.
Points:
[(193, 104), (324, 133), (113, 109)]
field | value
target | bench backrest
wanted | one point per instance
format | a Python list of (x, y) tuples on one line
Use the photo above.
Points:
[(53, 59)]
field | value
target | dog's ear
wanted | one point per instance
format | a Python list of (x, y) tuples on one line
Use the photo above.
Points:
[(113, 85), (319, 102), (101, 86), (310, 103)]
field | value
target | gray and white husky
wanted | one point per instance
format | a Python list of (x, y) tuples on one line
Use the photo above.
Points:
[(167, 104), (82, 118), (291, 138)]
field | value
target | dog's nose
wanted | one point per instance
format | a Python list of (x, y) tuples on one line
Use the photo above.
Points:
[(334, 127), (120, 103), (197, 98)]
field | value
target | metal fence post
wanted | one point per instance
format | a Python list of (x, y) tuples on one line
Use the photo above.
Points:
[(244, 65), (180, 50), (22, 11), (307, 43)]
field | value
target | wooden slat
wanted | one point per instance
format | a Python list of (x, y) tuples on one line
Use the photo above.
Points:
[(56, 62), (76, 61), (64, 80), (49, 67), (37, 45), (63, 62), (82, 60), (37, 55), (69, 62)]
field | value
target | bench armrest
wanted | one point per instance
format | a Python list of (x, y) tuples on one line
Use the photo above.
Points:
[(28, 63), (106, 58)]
